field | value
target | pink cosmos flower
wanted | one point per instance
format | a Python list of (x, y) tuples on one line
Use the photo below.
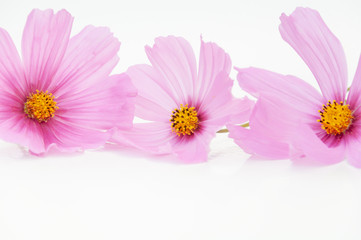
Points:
[(60, 93), (184, 108), (292, 119)]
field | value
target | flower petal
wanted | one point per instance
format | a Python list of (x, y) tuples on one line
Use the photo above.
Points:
[(292, 90), (354, 96), (173, 57), (12, 76), (269, 133), (258, 144), (103, 106), (151, 137), (219, 107), (314, 148), (237, 111), (353, 146), (154, 101), (69, 137), (89, 59), (219, 93), (44, 42), (307, 33), (24, 131), (213, 61), (157, 138), (194, 150)]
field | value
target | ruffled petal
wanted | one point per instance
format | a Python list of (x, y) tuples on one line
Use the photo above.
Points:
[(307, 33), (219, 107), (10, 105), (151, 137), (269, 133), (354, 96), (173, 57), (314, 149), (68, 136), (236, 111), (219, 93), (258, 144), (214, 86), (12, 78), (292, 90), (103, 106), (213, 76), (44, 42), (353, 142), (154, 101), (24, 131), (157, 138), (193, 150), (89, 59)]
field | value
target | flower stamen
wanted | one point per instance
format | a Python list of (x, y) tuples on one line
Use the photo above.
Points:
[(184, 120), (336, 118), (40, 106)]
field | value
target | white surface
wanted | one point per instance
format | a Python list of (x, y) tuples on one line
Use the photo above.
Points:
[(120, 194)]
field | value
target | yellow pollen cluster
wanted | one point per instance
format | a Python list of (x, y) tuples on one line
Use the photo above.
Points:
[(184, 120), (40, 106), (335, 118)]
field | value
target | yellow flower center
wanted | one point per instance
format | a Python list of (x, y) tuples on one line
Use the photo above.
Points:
[(40, 106), (184, 120), (336, 118)]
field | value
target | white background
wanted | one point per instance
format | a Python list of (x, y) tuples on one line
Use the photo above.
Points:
[(117, 193)]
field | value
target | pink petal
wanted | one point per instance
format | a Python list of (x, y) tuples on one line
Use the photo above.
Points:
[(307, 33), (103, 106), (292, 90), (213, 61), (314, 148), (67, 136), (353, 142), (89, 59), (219, 93), (219, 106), (44, 42), (258, 144), (214, 86), (157, 138), (24, 131), (269, 133), (173, 57), (194, 150), (12, 77), (10, 105), (285, 105), (354, 97), (236, 111), (150, 137), (240, 110), (154, 101)]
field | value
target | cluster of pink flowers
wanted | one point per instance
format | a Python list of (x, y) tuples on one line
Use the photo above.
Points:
[(60, 94)]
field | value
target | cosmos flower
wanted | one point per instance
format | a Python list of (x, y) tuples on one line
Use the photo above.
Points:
[(60, 94), (291, 118), (183, 107)]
